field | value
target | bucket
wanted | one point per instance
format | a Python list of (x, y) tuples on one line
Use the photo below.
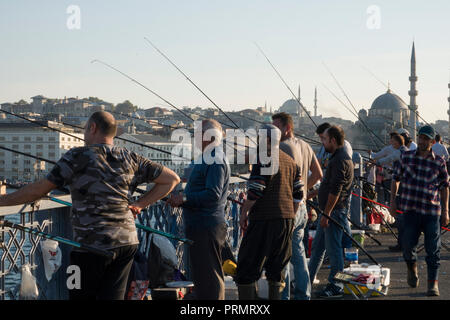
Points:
[(351, 254), (358, 235)]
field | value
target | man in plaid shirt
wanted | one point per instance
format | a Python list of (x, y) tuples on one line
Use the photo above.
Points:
[(424, 179)]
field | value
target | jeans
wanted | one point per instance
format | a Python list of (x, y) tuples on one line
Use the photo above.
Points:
[(329, 239), (302, 289), (346, 241), (414, 223)]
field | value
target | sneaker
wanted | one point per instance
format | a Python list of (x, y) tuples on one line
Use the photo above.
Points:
[(331, 291)]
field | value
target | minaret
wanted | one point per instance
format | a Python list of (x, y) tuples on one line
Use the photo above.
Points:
[(448, 99), (315, 102), (412, 96)]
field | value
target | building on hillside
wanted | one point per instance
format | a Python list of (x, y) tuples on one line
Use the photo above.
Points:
[(35, 140), (164, 157)]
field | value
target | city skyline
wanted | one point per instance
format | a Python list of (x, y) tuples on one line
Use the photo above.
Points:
[(213, 44)]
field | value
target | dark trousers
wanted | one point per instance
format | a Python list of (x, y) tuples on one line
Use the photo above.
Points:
[(267, 244), (205, 257), (102, 278), (414, 223)]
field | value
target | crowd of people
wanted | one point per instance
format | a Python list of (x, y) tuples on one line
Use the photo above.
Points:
[(273, 218)]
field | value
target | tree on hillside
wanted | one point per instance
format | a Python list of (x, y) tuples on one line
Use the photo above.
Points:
[(125, 107)]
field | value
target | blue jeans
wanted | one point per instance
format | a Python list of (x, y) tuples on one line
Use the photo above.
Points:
[(346, 241), (414, 223), (302, 289), (329, 239)]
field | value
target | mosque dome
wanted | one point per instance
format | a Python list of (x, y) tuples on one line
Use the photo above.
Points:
[(291, 106), (389, 101)]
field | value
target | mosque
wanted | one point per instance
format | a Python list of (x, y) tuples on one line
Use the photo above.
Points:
[(388, 113)]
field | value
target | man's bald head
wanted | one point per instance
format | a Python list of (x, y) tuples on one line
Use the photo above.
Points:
[(104, 122)]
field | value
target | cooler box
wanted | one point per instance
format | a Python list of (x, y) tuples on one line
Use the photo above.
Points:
[(381, 277)]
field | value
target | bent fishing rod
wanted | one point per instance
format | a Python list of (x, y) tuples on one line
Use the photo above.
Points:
[(104, 253), (138, 225)]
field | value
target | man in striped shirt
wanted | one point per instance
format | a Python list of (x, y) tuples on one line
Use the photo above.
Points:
[(424, 180), (267, 219)]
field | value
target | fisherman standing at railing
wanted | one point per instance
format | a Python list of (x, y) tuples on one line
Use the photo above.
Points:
[(267, 217), (391, 159), (305, 158), (424, 180), (385, 158), (101, 179), (204, 200)]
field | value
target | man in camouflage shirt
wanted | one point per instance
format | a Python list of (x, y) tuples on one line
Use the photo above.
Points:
[(101, 179)]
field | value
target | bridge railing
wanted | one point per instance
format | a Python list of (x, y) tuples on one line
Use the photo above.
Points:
[(18, 248)]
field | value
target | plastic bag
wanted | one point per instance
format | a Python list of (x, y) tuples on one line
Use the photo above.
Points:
[(138, 281), (51, 255), (168, 252), (162, 261), (28, 287)]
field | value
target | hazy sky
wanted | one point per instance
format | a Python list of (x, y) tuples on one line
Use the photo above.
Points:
[(213, 42)]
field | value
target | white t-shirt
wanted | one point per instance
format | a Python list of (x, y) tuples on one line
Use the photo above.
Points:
[(412, 146), (440, 150)]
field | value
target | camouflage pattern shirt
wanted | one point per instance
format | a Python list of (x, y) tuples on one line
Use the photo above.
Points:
[(101, 179)]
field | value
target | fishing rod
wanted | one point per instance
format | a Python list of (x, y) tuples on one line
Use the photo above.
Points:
[(143, 86), (192, 82), (146, 88), (78, 127), (295, 133), (196, 86), (40, 124), (316, 207), (379, 214), (50, 161), (287, 86), (356, 115), (389, 88), (104, 253), (144, 120), (174, 128), (348, 99), (138, 225), (351, 221)]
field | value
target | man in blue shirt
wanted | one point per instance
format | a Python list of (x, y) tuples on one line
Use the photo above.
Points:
[(204, 200)]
